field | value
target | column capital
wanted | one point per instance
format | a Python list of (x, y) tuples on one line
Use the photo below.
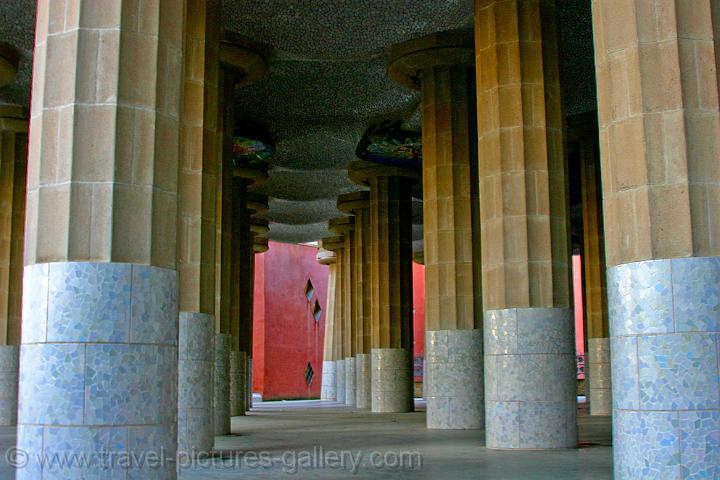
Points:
[(253, 174), (249, 63), (342, 225), (326, 257), (260, 244), (259, 226), (257, 204), (334, 243), (9, 60), (13, 118), (407, 60), (419, 257), (353, 201), (361, 171)]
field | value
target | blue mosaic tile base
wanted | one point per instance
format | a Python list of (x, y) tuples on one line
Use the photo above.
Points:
[(9, 357), (391, 380), (221, 389), (665, 325), (530, 379), (454, 379), (98, 367)]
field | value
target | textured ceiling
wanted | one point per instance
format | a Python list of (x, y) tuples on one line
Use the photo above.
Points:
[(342, 30), (327, 85), (17, 27)]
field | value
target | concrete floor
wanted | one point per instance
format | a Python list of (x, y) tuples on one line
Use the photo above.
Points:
[(290, 439)]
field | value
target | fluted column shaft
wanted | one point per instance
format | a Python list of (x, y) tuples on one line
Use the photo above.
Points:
[(391, 273), (454, 390), (350, 316), (443, 65), (340, 332), (358, 204), (391, 283), (13, 165), (197, 178), (659, 121), (99, 359), (223, 258), (530, 382), (328, 386), (583, 135), (349, 307), (241, 243)]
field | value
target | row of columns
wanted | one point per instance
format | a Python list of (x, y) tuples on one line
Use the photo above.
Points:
[(370, 319), (106, 276), (654, 84), (659, 122), (496, 239), (13, 152), (133, 202)]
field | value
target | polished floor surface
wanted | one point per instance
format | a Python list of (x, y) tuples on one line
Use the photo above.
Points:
[(323, 440)]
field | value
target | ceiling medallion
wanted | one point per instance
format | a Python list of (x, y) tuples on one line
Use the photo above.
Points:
[(389, 144), (248, 151)]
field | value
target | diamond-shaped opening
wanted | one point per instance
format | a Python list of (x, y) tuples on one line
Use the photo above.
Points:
[(317, 311), (309, 290), (309, 374)]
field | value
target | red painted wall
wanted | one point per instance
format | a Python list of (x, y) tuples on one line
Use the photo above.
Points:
[(286, 335), (418, 319), (579, 314), (259, 324)]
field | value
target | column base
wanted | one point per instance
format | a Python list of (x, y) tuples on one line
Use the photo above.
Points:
[(665, 335), (238, 377), (598, 376), (340, 381), (9, 381), (196, 362), (363, 393), (221, 399), (249, 386), (454, 378), (328, 390), (391, 380), (98, 368), (350, 381), (530, 379)]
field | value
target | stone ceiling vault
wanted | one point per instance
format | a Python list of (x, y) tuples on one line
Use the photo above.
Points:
[(327, 85)]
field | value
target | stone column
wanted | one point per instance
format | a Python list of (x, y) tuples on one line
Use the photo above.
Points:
[(239, 266), (223, 243), (13, 155), (530, 384), (327, 387), (583, 134), (238, 380), (391, 280), (196, 372), (221, 396), (345, 226), (99, 356), (660, 143), (240, 66), (442, 67), (200, 147), (337, 244), (358, 204)]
